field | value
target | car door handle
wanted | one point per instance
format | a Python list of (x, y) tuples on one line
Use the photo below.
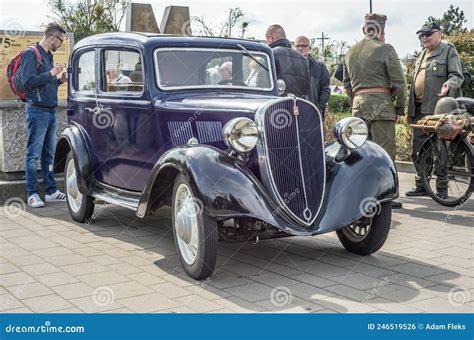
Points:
[(91, 110)]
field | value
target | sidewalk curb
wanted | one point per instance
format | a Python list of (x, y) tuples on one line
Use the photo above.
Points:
[(404, 166)]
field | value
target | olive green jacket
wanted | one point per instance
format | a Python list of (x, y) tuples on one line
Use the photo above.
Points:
[(442, 66), (368, 64)]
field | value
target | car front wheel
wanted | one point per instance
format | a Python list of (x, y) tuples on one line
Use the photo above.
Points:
[(195, 233), (80, 206), (368, 235)]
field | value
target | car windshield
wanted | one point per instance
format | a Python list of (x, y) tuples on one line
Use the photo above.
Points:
[(203, 68)]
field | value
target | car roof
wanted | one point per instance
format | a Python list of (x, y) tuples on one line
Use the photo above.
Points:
[(169, 40)]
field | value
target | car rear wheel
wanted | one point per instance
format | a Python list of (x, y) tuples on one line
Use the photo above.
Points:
[(195, 233), (80, 206), (370, 234)]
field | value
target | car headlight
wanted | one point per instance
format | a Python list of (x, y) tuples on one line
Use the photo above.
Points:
[(351, 132), (241, 134)]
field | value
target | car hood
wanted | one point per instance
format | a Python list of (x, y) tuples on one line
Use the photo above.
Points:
[(238, 102)]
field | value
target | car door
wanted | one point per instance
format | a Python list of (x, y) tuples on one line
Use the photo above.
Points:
[(126, 118), (82, 107)]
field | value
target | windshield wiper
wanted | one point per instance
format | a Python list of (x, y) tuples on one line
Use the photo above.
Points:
[(254, 58)]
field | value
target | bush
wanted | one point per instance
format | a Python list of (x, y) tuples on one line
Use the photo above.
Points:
[(403, 140), (339, 103)]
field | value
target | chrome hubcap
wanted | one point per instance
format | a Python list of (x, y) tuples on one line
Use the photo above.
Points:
[(74, 196), (357, 232), (186, 223)]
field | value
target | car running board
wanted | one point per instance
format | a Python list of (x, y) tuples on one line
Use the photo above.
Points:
[(123, 198)]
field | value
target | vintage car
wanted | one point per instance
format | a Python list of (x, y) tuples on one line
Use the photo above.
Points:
[(198, 124)]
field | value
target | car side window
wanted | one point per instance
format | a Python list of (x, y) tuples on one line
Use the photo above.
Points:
[(85, 80), (122, 71)]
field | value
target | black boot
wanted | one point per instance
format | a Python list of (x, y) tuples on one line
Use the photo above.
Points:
[(397, 205), (417, 191)]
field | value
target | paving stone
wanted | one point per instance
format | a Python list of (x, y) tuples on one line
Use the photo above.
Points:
[(87, 304), (56, 279), (417, 270), (128, 289), (198, 303), (251, 292), (46, 303), (73, 290), (148, 303), (7, 268), (15, 279), (41, 268), (29, 290), (102, 279), (9, 302), (84, 268)]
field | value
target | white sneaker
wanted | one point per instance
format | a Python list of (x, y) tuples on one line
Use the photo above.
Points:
[(35, 201), (58, 196)]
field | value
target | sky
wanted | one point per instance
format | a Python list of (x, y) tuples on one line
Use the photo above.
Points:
[(338, 19)]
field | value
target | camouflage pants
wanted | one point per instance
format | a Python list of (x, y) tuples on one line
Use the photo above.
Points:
[(382, 132)]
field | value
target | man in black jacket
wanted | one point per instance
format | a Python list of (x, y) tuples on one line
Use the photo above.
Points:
[(319, 88), (291, 66)]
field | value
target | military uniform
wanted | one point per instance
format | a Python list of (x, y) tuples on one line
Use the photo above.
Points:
[(374, 81), (432, 70)]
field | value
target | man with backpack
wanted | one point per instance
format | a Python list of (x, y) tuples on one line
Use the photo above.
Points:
[(35, 80)]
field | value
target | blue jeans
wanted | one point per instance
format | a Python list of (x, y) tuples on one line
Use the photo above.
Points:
[(41, 144)]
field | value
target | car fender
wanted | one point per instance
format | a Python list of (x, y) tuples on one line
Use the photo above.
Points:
[(72, 139), (222, 184), (355, 186)]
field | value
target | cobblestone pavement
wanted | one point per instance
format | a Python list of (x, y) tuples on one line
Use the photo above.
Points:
[(123, 264)]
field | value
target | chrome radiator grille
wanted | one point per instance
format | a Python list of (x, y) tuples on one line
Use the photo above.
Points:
[(292, 159)]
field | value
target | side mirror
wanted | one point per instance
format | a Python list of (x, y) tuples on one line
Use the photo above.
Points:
[(281, 86)]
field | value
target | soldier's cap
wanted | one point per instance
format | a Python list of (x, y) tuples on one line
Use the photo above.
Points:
[(428, 28), (375, 17)]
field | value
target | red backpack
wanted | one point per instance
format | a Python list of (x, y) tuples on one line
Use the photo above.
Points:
[(16, 83)]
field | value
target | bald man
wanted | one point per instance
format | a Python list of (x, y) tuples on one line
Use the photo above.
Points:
[(291, 66), (319, 75)]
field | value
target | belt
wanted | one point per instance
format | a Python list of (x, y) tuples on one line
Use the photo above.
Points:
[(374, 90)]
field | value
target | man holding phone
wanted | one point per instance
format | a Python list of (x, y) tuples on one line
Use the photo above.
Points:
[(41, 81)]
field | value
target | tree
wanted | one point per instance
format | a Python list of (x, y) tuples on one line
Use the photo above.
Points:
[(88, 17), (235, 17), (332, 55), (452, 21)]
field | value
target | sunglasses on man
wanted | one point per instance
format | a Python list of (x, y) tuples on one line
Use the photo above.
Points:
[(427, 34), (301, 46)]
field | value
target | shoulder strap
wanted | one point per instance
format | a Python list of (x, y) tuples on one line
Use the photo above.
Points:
[(38, 55)]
